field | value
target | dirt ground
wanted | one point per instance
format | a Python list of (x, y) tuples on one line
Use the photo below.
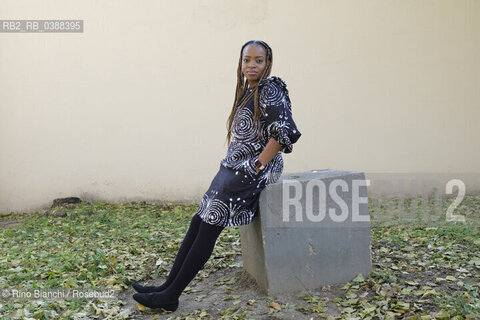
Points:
[(9, 224), (235, 290)]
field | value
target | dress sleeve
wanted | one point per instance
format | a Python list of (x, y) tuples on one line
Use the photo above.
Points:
[(277, 112)]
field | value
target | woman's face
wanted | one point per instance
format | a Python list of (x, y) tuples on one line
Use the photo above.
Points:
[(254, 59)]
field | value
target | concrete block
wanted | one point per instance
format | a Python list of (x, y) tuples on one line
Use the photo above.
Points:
[(312, 229)]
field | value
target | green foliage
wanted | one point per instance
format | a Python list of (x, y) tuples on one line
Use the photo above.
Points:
[(421, 269), (98, 245)]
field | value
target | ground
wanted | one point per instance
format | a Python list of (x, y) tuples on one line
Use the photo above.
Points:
[(231, 292), (419, 270)]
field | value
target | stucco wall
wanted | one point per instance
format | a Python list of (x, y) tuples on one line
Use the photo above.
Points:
[(135, 107)]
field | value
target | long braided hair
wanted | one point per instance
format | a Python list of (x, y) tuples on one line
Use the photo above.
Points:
[(242, 84)]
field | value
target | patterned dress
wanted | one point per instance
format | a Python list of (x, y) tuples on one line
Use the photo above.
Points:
[(233, 195)]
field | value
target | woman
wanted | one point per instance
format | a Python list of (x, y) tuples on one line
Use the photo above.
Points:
[(260, 128)]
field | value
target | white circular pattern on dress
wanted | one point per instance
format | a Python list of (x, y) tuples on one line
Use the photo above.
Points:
[(217, 212), (238, 152), (204, 204), (240, 215), (276, 172), (242, 125), (273, 95), (263, 132)]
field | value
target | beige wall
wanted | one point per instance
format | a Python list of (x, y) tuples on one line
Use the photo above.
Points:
[(135, 107)]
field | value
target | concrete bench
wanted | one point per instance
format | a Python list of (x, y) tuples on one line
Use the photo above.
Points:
[(312, 229)]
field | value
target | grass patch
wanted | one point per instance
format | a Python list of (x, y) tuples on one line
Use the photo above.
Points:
[(419, 268)]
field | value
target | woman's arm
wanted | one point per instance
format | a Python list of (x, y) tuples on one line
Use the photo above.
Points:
[(270, 150)]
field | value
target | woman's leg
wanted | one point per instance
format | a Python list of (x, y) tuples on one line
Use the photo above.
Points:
[(182, 253), (196, 258)]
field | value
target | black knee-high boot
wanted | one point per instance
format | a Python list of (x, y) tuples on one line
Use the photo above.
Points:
[(196, 258), (182, 253)]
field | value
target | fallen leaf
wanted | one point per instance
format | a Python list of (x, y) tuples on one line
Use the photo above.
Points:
[(251, 302), (359, 278), (275, 305)]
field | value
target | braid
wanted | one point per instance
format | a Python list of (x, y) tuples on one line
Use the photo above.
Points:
[(241, 89)]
